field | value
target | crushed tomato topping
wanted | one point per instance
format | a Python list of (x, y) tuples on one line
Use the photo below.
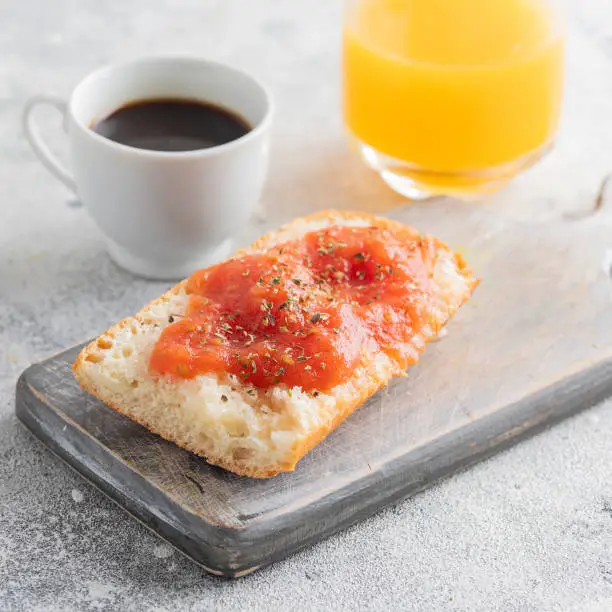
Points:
[(306, 312)]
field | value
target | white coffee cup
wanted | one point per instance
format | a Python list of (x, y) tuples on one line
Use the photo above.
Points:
[(163, 214)]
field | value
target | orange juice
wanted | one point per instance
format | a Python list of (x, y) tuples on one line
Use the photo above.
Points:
[(452, 86)]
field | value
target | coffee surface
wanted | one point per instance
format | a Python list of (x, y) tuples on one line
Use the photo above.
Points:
[(172, 125)]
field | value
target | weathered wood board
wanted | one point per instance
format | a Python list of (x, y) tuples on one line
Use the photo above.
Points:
[(532, 347)]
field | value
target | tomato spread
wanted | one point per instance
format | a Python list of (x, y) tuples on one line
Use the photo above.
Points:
[(305, 313)]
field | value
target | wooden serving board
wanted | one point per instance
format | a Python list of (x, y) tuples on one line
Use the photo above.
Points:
[(532, 347)]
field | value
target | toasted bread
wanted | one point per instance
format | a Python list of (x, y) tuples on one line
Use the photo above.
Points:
[(251, 432)]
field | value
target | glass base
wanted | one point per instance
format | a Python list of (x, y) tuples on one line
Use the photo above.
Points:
[(418, 183)]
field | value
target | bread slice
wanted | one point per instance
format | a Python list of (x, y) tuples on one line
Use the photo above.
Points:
[(252, 432)]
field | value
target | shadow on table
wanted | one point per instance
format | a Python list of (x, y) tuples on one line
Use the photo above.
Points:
[(331, 177)]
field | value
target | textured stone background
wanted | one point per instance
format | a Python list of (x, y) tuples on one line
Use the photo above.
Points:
[(530, 529)]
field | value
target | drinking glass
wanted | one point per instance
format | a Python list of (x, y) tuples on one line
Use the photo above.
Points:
[(452, 97)]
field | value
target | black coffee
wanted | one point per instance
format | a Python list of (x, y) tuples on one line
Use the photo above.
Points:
[(172, 125)]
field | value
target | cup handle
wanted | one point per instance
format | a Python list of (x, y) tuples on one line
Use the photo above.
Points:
[(30, 128)]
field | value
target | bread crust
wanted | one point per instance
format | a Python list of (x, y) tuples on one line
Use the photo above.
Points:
[(343, 406)]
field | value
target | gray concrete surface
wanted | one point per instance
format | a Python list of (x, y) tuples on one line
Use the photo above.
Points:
[(530, 529)]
